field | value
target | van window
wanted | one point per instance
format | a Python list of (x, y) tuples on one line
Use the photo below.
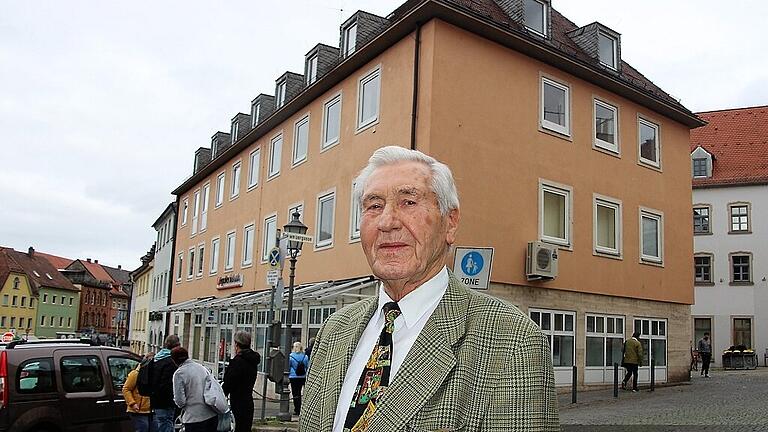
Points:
[(36, 376), (119, 367), (81, 374)]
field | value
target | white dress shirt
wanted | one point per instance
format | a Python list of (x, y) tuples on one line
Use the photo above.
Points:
[(416, 308)]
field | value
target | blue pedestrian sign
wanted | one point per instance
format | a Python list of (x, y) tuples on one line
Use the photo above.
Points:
[(473, 266)]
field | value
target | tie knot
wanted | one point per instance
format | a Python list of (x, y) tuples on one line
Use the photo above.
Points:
[(391, 312), (391, 306)]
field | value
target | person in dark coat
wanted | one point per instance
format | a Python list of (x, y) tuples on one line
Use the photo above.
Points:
[(161, 379), (239, 379)]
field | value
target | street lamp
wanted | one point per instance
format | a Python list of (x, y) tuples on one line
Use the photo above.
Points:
[(294, 247)]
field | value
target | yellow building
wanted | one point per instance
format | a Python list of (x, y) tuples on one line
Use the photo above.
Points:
[(142, 284), (18, 305)]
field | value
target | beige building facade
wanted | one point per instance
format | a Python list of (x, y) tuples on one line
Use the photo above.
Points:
[(574, 151)]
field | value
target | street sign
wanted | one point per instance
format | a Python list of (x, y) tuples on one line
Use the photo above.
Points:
[(274, 258), (473, 266), (272, 277), (298, 237)]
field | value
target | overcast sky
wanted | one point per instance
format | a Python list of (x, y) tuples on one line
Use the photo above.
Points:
[(102, 104)]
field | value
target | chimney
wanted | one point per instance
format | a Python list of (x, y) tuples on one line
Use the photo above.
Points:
[(220, 141), (319, 61), (31, 252), (202, 158), (261, 107), (95, 261), (88, 259), (119, 267)]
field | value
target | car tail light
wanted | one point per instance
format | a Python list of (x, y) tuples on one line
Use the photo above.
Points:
[(3, 380)]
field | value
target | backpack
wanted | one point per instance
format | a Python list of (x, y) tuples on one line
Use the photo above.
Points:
[(144, 380), (214, 395), (300, 369)]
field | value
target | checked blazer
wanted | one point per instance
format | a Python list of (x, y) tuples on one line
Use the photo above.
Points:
[(479, 364)]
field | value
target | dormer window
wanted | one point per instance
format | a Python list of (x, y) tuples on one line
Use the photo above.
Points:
[(213, 147), (701, 163), (235, 127), (350, 39), (281, 94), (312, 69), (535, 16), (255, 111), (607, 49), (700, 167)]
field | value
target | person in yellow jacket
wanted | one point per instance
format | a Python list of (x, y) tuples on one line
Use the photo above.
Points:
[(633, 357), (138, 406)]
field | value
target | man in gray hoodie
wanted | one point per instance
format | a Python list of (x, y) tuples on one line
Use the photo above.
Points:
[(188, 393)]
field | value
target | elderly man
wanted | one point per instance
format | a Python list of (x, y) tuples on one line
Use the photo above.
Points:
[(426, 353)]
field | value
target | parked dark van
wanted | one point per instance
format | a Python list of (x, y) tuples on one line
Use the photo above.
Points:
[(62, 385)]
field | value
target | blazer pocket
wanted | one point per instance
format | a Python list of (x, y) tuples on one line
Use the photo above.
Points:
[(411, 428)]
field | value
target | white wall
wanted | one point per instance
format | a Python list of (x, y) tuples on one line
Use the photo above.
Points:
[(723, 301), (163, 259)]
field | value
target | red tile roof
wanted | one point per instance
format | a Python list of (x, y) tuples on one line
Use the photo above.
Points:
[(97, 271), (56, 261), (40, 272), (738, 139)]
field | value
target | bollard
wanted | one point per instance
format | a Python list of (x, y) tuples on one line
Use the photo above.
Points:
[(615, 380), (653, 374), (573, 385)]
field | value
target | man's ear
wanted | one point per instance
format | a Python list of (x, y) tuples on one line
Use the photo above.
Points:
[(452, 220)]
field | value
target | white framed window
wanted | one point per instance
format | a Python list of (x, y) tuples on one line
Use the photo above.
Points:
[(535, 16), (180, 268), (331, 122), (350, 39), (559, 328), (270, 234), (184, 208), (368, 90), (555, 106), (700, 167), (355, 215), (606, 122), (229, 253), (255, 111), (555, 213), (312, 69), (280, 94), (248, 233), (326, 206), (235, 189), (607, 225), (739, 216), (701, 221), (254, 163), (702, 268), (204, 209), (607, 50), (653, 337), (648, 142), (275, 154), (195, 211), (235, 129), (651, 235), (200, 259), (191, 263), (605, 340), (300, 140), (220, 181), (741, 267)]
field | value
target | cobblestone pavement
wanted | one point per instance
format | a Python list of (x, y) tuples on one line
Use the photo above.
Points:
[(728, 401)]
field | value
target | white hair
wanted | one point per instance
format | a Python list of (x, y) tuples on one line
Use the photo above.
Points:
[(442, 180)]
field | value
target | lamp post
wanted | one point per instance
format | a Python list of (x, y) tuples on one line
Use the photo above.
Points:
[(294, 247)]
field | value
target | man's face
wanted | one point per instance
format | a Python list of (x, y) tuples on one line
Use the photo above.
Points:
[(402, 232)]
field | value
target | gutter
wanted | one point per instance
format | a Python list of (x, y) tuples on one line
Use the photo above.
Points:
[(414, 108)]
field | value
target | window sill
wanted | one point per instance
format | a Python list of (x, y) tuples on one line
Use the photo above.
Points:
[(741, 283), (215, 206), (246, 266), (363, 128), (739, 232), (702, 233), (354, 240), (319, 248), (251, 187), (298, 163), (703, 284), (327, 146), (652, 263), (273, 176), (560, 246), (554, 133), (234, 197), (609, 255), (650, 165), (605, 150)]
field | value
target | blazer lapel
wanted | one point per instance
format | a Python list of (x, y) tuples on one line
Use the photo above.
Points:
[(342, 342), (427, 364)]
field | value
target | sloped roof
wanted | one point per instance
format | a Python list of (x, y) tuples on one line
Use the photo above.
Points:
[(97, 271), (7, 265), (738, 139), (118, 274), (49, 275), (56, 261)]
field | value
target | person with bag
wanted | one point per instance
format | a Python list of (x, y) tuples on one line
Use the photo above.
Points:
[(239, 379), (159, 373), (189, 391), (298, 375), (633, 356), (138, 406)]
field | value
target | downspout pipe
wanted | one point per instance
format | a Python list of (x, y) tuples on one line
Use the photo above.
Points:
[(414, 108)]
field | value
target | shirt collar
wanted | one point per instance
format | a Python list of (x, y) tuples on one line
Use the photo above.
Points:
[(417, 302)]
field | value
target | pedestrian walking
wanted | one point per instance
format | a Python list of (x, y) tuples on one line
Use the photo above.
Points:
[(138, 407), (705, 351), (633, 355), (161, 376), (239, 379), (310, 345), (298, 375), (189, 393)]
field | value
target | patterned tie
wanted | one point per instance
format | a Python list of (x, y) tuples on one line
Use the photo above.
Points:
[(375, 377)]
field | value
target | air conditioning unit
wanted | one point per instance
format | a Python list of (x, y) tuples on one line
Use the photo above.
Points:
[(541, 261)]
